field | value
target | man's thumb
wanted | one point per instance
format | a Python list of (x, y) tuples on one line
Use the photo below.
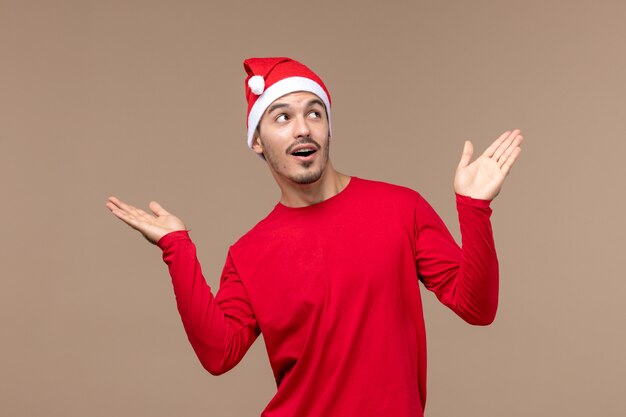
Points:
[(466, 156), (157, 209)]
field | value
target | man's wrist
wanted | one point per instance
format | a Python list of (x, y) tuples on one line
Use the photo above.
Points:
[(470, 201), (170, 238)]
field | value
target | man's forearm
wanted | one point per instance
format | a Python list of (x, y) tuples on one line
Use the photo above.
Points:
[(220, 337)]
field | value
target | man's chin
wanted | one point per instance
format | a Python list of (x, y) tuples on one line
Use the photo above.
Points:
[(307, 178)]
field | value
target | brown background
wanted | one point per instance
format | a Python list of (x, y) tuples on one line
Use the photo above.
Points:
[(144, 100)]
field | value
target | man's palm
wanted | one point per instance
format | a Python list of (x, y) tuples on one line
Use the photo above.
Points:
[(152, 226), (483, 178)]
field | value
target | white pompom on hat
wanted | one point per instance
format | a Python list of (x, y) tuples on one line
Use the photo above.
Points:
[(271, 78)]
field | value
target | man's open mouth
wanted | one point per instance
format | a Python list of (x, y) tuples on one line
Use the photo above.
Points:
[(304, 152)]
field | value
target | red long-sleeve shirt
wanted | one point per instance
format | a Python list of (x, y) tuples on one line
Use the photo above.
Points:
[(334, 289)]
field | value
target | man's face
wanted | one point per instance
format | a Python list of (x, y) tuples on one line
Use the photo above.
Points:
[(293, 137)]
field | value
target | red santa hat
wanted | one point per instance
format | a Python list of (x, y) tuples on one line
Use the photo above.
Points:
[(272, 78)]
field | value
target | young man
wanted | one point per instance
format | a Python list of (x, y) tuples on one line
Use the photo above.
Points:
[(330, 276)]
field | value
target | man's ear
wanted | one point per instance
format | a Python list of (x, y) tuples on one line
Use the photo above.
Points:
[(257, 146)]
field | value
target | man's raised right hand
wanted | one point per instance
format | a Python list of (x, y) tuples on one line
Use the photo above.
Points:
[(152, 227)]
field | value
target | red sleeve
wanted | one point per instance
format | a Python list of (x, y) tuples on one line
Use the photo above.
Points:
[(465, 280), (221, 328)]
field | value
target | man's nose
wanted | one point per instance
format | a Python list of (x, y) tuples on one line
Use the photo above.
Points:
[(302, 127)]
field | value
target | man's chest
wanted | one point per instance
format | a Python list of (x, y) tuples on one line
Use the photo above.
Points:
[(308, 273)]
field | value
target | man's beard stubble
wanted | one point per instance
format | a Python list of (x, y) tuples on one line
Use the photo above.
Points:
[(308, 177)]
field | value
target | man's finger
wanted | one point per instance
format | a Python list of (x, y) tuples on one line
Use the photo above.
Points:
[(122, 215), (507, 154), (111, 206), (119, 203), (158, 209), (510, 161), (466, 156), (142, 213), (494, 146), (506, 144)]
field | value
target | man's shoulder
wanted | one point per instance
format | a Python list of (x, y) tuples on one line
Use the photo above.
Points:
[(257, 232), (387, 188)]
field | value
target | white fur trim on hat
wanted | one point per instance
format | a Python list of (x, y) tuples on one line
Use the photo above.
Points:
[(277, 90)]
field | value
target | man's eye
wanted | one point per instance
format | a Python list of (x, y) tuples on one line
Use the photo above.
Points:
[(281, 118), (315, 114)]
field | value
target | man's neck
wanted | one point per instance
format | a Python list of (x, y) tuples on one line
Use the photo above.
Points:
[(330, 184)]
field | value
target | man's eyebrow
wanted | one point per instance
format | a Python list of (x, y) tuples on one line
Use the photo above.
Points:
[(316, 101), (277, 106), (283, 105)]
